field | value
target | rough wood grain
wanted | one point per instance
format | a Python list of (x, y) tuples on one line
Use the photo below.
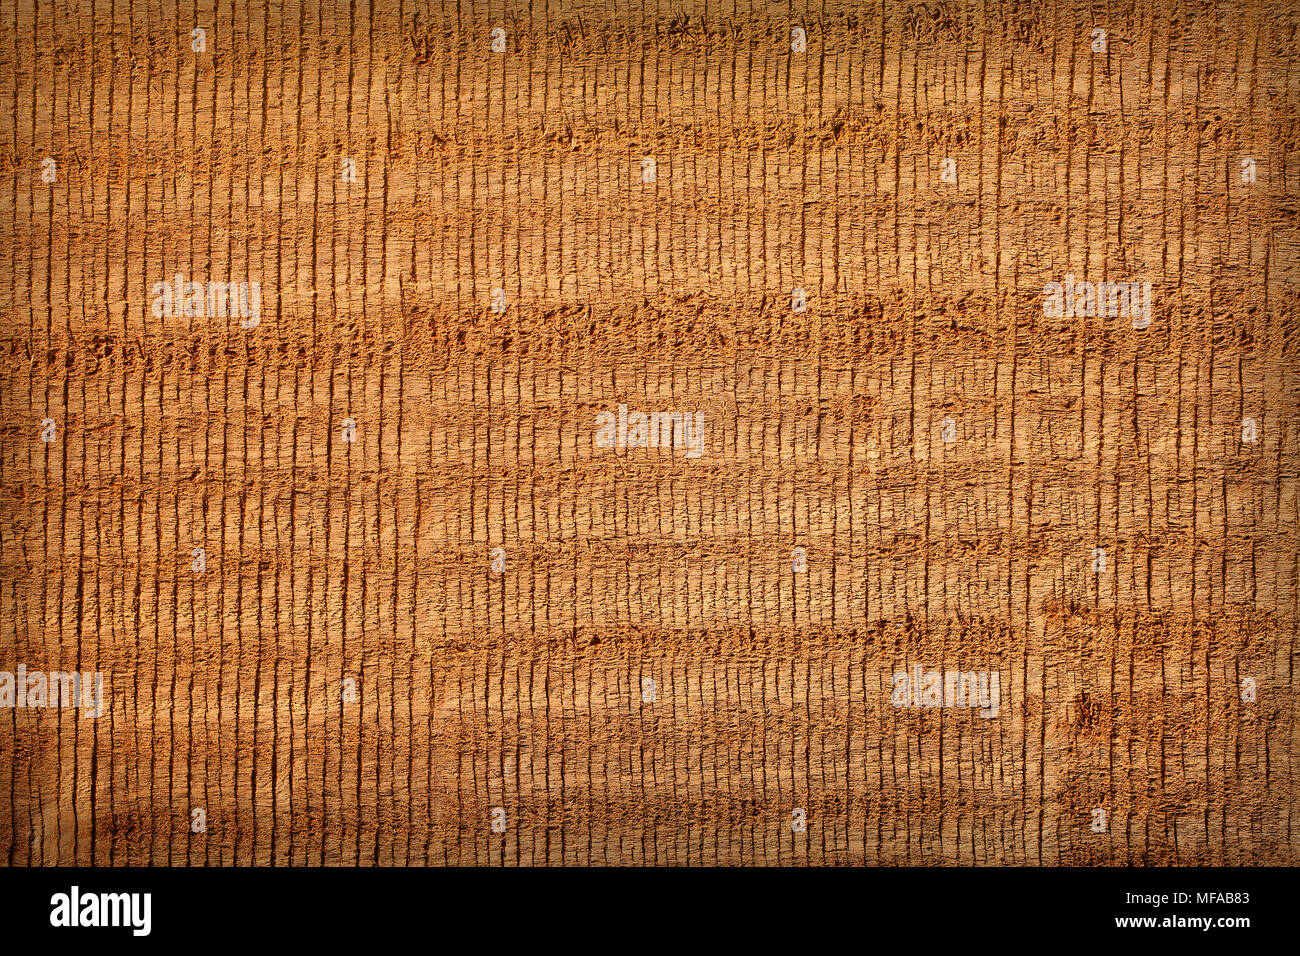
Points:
[(775, 170)]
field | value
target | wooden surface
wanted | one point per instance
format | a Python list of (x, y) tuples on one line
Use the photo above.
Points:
[(370, 561)]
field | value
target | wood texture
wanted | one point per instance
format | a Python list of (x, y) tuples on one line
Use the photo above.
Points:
[(775, 170)]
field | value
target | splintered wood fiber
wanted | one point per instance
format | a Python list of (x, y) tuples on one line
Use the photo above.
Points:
[(649, 433)]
